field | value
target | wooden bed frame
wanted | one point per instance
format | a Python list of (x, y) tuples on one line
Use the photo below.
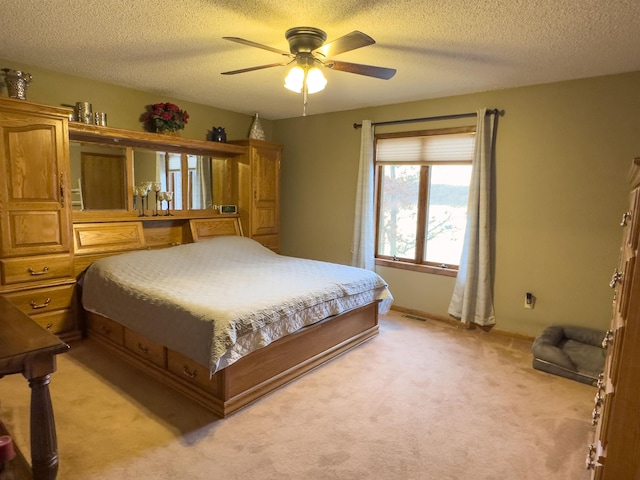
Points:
[(244, 381), (251, 377)]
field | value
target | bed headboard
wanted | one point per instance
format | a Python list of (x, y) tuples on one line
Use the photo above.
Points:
[(203, 228), (94, 240)]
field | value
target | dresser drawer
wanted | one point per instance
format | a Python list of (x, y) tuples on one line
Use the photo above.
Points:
[(106, 327), (36, 269), (145, 348), (42, 300), (192, 372), (56, 322)]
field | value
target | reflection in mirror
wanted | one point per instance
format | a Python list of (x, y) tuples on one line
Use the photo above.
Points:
[(199, 182), (189, 177), (98, 177)]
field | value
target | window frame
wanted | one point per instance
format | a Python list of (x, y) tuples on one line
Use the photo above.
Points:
[(419, 264)]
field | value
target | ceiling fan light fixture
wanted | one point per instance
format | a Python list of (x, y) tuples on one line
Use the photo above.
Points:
[(315, 80), (298, 76), (295, 79)]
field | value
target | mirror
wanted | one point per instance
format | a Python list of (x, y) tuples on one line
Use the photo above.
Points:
[(98, 177), (189, 177)]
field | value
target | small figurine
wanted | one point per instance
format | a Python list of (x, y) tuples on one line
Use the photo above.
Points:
[(218, 135)]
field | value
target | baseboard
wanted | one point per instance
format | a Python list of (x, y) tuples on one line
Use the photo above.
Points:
[(463, 326)]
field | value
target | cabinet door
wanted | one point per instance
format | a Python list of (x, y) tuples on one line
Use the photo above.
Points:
[(34, 194), (265, 172), (618, 435)]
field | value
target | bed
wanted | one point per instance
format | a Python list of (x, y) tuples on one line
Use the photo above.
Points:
[(226, 320)]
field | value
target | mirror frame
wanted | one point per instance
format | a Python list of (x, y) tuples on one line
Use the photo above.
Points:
[(128, 139)]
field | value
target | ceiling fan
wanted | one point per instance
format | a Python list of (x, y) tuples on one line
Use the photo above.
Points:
[(308, 51)]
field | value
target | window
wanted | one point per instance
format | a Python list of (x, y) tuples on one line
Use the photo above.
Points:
[(422, 185)]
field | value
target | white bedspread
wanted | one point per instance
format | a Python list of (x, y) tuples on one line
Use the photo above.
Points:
[(217, 300)]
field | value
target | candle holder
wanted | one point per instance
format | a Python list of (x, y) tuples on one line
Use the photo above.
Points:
[(168, 198), (142, 191), (156, 188)]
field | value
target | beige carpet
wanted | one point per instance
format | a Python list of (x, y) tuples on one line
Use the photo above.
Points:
[(423, 400)]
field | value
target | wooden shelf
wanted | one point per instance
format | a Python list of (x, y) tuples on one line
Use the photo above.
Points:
[(152, 141), (83, 216)]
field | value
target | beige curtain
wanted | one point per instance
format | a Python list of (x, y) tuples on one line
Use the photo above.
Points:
[(472, 300), (362, 251)]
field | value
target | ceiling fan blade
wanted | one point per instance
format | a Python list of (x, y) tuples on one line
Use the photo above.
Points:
[(251, 69), (257, 45), (350, 41), (368, 70)]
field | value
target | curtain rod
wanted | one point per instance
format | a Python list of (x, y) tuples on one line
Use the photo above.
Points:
[(495, 111)]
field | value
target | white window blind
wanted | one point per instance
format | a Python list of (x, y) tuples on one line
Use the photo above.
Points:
[(426, 150)]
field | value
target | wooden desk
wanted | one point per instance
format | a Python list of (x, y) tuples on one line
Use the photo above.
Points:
[(29, 349)]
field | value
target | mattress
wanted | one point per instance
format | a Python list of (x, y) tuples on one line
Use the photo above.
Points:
[(218, 300)]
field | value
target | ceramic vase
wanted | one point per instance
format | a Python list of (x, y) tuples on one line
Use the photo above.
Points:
[(256, 131)]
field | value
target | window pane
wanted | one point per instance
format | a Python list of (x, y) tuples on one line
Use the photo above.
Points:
[(447, 212), (398, 210)]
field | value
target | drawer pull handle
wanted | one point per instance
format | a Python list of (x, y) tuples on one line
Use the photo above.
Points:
[(49, 325), (106, 330), (615, 278), (595, 415), (35, 306), (62, 190), (598, 399), (142, 348), (34, 273), (189, 373), (591, 462), (608, 339), (625, 216)]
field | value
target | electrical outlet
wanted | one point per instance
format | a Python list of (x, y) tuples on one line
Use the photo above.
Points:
[(529, 300)]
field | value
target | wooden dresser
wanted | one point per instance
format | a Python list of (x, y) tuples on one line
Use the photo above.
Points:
[(36, 253), (615, 452)]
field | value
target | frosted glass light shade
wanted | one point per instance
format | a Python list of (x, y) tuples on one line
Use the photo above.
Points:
[(294, 79), (297, 76), (315, 80)]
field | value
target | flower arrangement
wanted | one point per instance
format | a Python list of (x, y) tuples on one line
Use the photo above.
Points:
[(164, 117)]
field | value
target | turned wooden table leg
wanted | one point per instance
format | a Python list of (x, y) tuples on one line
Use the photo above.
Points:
[(44, 449)]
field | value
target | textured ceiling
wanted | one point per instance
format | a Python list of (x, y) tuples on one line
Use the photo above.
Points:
[(439, 47)]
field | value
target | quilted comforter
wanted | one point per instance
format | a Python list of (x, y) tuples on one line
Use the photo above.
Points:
[(218, 300)]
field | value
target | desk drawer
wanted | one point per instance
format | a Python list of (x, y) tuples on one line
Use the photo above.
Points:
[(43, 300), (144, 347), (36, 268)]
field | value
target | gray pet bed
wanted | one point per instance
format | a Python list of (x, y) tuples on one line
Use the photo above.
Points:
[(570, 351)]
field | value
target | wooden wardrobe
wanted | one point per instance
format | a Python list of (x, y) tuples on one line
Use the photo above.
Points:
[(615, 451), (36, 251)]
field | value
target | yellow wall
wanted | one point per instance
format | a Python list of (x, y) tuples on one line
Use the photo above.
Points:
[(562, 156), (124, 105)]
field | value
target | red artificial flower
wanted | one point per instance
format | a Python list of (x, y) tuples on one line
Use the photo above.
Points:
[(164, 116)]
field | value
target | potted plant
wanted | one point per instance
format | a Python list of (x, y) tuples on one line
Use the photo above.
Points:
[(164, 118)]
